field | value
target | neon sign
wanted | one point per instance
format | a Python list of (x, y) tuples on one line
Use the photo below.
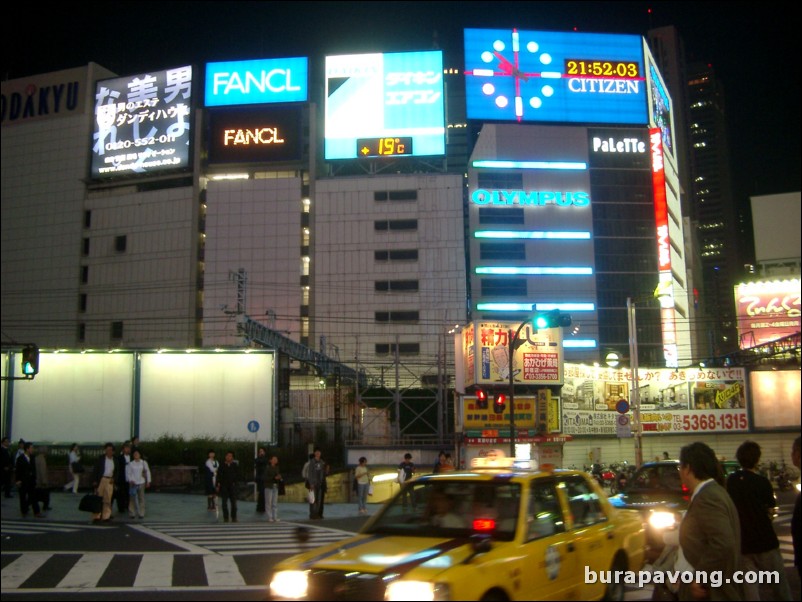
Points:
[(539, 198)]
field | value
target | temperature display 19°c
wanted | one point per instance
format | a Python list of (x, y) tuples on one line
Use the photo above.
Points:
[(384, 147)]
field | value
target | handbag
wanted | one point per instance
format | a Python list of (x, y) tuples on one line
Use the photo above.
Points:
[(77, 468), (370, 489), (91, 503), (310, 496), (282, 490), (402, 475)]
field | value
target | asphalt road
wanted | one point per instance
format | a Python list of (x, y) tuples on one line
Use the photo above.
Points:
[(182, 551)]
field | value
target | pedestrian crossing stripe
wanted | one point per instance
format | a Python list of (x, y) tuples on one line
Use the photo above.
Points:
[(94, 571), (26, 527), (242, 538)]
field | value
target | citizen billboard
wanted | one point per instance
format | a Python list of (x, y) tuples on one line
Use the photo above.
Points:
[(255, 135)]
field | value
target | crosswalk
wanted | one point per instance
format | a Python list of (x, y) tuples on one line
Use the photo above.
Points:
[(227, 556), (33, 572), (242, 538), (210, 556), (28, 527)]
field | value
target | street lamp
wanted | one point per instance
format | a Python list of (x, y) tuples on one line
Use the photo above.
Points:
[(550, 319), (634, 397)]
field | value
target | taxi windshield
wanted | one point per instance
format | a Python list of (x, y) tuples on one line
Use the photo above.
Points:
[(453, 508)]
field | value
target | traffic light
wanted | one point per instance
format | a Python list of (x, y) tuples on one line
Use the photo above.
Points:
[(552, 319), (30, 360), (499, 403), (481, 399)]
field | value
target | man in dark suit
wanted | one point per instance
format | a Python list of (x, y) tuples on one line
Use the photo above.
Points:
[(8, 466), (25, 472), (710, 532), (228, 478), (120, 484)]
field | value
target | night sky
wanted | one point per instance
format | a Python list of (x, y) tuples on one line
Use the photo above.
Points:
[(754, 48)]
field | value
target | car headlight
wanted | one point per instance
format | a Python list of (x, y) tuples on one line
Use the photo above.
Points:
[(289, 584), (662, 520), (416, 590)]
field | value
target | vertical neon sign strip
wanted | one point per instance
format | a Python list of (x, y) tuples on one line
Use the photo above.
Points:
[(670, 352)]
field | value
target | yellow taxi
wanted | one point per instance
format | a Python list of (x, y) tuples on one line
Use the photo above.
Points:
[(495, 532)]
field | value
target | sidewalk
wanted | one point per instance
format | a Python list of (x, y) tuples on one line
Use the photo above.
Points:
[(179, 507)]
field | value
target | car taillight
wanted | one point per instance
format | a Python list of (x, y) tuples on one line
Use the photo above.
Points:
[(484, 524)]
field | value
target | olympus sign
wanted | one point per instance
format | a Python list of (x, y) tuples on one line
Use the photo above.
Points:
[(539, 198), (624, 145)]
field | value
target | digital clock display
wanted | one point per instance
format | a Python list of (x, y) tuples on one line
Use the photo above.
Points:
[(617, 69), (388, 146)]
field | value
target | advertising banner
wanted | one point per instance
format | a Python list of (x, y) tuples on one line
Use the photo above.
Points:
[(142, 124), (767, 311), (245, 135), (260, 81), (548, 76), (388, 105), (537, 355), (671, 401)]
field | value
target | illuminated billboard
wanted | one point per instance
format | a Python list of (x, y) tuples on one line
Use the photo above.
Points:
[(256, 82), (767, 311), (660, 108), (245, 135), (142, 124), (384, 105), (513, 75), (537, 356)]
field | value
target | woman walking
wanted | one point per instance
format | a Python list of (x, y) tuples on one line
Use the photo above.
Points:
[(137, 473), (362, 476), (210, 480), (73, 461)]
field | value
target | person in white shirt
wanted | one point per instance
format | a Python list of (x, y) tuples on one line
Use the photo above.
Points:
[(75, 458), (137, 473)]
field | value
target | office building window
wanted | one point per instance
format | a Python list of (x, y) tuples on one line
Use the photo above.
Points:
[(501, 215), (116, 330), (502, 250), (396, 255), (395, 225), (395, 195), (504, 287), (403, 348), (120, 243), (408, 317), (396, 286)]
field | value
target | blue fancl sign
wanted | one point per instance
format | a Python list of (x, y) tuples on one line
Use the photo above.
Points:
[(540, 76), (257, 82)]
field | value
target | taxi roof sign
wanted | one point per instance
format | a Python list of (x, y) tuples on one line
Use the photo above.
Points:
[(495, 458)]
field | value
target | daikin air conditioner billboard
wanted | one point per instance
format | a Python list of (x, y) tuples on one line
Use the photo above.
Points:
[(384, 105)]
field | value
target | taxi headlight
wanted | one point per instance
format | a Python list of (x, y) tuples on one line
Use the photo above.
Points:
[(289, 584), (662, 520), (416, 590)]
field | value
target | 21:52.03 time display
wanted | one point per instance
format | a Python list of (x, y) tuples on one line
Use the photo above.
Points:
[(714, 422)]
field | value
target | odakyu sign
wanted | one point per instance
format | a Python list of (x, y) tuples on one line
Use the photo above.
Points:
[(260, 81)]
